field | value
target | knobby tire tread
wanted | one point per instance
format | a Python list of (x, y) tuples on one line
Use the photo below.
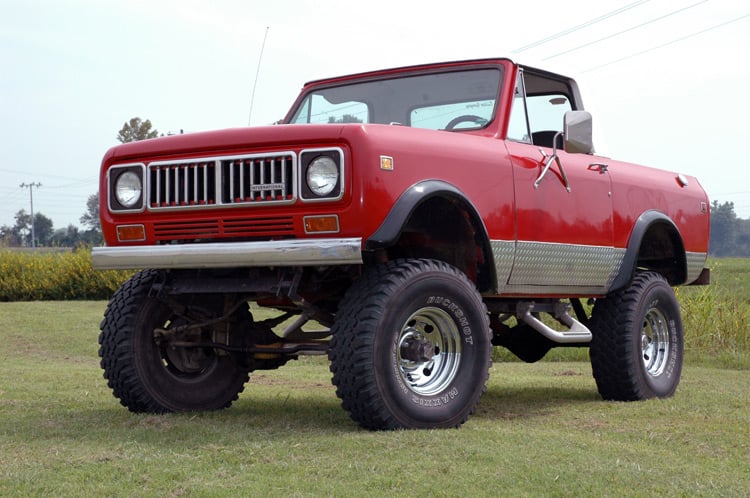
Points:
[(351, 349), (116, 353), (613, 359)]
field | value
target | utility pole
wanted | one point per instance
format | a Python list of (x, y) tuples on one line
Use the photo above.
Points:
[(31, 186)]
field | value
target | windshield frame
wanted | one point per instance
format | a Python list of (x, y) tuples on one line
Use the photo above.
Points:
[(487, 76)]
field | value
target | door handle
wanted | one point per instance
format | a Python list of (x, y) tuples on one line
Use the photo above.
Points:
[(600, 167)]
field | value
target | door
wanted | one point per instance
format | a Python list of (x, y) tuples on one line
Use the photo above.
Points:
[(564, 226)]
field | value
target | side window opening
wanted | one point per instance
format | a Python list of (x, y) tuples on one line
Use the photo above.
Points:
[(546, 113), (518, 126), (538, 110)]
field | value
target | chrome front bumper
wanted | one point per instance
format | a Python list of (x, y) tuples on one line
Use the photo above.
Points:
[(304, 252)]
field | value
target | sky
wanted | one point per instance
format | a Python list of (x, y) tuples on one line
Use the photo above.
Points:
[(666, 80)]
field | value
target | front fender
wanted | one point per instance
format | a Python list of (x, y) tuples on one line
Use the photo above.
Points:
[(389, 231)]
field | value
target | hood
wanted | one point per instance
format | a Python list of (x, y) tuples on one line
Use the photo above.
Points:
[(226, 141)]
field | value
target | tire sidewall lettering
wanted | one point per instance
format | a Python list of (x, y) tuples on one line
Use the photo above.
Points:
[(425, 294), (435, 401), (458, 313), (674, 348), (661, 382), (402, 387)]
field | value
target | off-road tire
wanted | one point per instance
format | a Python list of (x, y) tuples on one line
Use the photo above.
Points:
[(139, 371), (392, 311), (637, 347)]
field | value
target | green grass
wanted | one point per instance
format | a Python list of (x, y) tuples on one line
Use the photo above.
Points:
[(716, 318), (539, 430)]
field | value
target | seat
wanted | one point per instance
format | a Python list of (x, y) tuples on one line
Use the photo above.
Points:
[(545, 138)]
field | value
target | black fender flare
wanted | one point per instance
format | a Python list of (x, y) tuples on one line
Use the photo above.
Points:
[(645, 221), (389, 230)]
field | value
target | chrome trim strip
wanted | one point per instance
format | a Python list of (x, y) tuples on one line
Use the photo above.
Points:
[(502, 253), (542, 263), (695, 263), (304, 252), (527, 267)]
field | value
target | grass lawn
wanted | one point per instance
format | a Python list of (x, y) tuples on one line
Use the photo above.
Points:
[(539, 430)]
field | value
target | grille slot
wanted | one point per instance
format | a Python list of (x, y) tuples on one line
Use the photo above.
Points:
[(185, 184), (257, 179), (251, 179)]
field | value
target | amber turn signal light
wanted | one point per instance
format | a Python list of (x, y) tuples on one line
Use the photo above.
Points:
[(386, 163), (131, 233), (322, 224)]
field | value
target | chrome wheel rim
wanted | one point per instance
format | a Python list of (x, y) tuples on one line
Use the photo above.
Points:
[(428, 351), (654, 342)]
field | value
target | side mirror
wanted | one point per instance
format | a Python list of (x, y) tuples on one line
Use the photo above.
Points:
[(577, 130)]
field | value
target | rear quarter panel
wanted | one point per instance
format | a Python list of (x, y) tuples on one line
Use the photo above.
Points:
[(636, 189)]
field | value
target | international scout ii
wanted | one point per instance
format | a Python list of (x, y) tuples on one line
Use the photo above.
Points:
[(417, 217)]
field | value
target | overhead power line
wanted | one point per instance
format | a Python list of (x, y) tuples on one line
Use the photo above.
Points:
[(625, 30), (580, 26), (46, 175), (672, 42), (732, 193)]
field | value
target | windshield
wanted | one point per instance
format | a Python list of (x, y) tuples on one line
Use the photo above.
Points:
[(438, 101)]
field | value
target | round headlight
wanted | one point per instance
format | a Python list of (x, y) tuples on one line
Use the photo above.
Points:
[(322, 175), (128, 189)]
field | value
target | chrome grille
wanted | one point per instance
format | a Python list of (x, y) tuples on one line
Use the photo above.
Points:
[(222, 181), (257, 179), (182, 184)]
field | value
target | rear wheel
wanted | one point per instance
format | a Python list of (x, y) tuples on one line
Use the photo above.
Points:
[(637, 346), (411, 347), (154, 355)]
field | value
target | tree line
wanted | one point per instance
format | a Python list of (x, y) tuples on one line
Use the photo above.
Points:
[(730, 235), (19, 234)]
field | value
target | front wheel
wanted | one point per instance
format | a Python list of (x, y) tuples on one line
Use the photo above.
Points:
[(637, 346), (411, 347), (155, 355)]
